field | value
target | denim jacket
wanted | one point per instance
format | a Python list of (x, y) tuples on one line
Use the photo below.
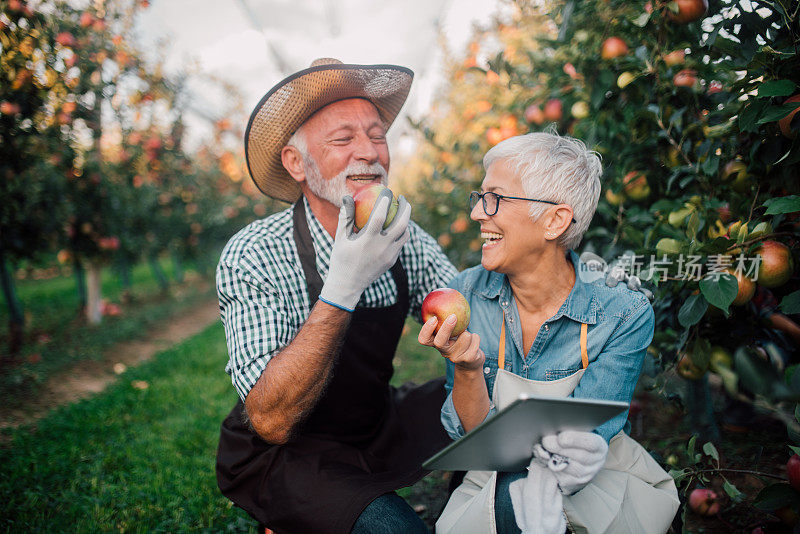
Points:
[(620, 320)]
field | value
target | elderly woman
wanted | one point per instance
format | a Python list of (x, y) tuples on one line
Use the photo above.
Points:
[(538, 326)]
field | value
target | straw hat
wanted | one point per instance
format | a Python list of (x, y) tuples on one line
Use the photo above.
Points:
[(292, 101)]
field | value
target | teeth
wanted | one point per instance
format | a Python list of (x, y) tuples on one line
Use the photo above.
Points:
[(491, 235)]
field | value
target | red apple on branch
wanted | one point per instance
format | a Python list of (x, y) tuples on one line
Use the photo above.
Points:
[(793, 470), (685, 78), (776, 265), (688, 11), (704, 501), (444, 302), (553, 110), (365, 201), (613, 47)]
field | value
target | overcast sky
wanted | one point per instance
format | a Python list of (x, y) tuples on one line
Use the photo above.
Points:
[(255, 43)]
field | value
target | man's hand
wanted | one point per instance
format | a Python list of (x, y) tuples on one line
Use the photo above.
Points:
[(573, 457), (464, 351), (358, 259)]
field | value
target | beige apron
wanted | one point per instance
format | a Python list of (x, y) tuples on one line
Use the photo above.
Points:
[(632, 493)]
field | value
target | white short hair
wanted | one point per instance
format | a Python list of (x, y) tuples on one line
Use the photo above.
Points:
[(555, 168)]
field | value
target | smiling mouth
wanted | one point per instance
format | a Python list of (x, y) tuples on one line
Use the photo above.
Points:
[(491, 237), (363, 177)]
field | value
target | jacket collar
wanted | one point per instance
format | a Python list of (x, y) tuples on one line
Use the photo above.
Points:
[(581, 304)]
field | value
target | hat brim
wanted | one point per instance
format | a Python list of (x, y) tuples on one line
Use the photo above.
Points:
[(292, 101)]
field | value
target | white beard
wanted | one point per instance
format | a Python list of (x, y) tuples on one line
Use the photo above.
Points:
[(335, 188)]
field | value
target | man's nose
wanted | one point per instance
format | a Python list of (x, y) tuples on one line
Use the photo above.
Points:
[(365, 149)]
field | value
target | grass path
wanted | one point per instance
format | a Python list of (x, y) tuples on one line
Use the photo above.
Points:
[(87, 377), (137, 458)]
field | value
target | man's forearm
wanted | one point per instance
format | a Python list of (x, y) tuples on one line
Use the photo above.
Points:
[(296, 377)]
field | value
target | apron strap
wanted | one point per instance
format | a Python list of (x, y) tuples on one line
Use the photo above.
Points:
[(584, 351), (501, 350)]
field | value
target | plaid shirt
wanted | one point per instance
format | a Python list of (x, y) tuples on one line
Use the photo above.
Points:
[(262, 288)]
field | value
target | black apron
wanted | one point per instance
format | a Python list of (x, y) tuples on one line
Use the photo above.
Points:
[(364, 438)]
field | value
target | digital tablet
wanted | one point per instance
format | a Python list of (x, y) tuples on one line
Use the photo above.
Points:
[(505, 441)]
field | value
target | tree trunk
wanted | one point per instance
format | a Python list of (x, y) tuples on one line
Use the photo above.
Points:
[(158, 272), (16, 318), (94, 310)]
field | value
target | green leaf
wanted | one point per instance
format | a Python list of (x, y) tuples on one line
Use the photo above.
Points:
[(776, 113), (711, 450), (791, 303), (788, 204), (690, 446), (732, 491), (720, 292), (692, 310), (693, 226), (795, 450), (776, 496), (750, 114), (776, 88)]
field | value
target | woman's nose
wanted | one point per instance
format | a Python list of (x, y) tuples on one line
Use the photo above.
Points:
[(478, 213)]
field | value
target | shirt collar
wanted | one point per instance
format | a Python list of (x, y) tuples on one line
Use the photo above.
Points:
[(318, 233), (581, 304)]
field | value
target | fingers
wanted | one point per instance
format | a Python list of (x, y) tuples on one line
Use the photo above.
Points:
[(379, 212), (399, 224), (427, 332), (588, 441), (347, 215), (445, 331)]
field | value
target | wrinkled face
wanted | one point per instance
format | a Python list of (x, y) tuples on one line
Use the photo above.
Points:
[(511, 239), (347, 149)]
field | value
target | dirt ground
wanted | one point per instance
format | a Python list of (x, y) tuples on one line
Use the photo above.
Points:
[(89, 377)]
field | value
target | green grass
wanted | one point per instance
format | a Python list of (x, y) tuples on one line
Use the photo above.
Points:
[(57, 335), (143, 460), (129, 460)]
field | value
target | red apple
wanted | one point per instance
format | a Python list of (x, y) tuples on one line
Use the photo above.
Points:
[(553, 110), (685, 78), (676, 57), (65, 39), (86, 19), (776, 265), (635, 185), (613, 47), (688, 11), (785, 124), (704, 501), (494, 135), (747, 288), (793, 469), (533, 113), (365, 200), (444, 302)]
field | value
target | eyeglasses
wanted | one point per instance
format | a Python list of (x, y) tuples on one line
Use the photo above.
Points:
[(491, 201)]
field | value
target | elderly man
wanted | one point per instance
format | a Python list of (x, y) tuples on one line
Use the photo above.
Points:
[(313, 313)]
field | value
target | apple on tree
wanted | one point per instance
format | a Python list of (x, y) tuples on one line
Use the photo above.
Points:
[(688, 11), (444, 302), (793, 470), (704, 501), (365, 200), (776, 266)]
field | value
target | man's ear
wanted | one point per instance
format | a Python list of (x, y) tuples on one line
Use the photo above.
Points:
[(293, 162)]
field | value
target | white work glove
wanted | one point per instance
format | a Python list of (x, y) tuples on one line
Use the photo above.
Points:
[(537, 501), (358, 259), (573, 457), (617, 275)]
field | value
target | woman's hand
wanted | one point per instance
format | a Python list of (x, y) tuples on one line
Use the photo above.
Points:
[(464, 351)]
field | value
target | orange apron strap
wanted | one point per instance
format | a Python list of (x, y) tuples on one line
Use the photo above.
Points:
[(584, 351), (501, 350)]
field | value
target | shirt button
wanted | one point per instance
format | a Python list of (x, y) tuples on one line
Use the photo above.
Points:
[(510, 319), (486, 370), (505, 303), (546, 328)]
